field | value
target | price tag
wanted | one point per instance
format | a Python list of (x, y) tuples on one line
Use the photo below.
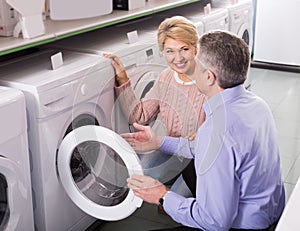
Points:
[(57, 60), (132, 37)]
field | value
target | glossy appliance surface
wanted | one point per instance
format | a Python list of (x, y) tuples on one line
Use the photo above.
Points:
[(241, 20), (68, 9), (16, 211), (59, 101)]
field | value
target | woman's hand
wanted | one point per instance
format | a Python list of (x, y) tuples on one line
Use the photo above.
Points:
[(191, 136), (121, 75)]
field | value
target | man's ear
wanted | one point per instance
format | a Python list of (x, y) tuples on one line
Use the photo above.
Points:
[(211, 78)]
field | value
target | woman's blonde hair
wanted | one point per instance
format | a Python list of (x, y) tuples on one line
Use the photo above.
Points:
[(178, 28)]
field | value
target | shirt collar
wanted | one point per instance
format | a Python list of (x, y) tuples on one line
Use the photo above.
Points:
[(222, 98), (178, 80)]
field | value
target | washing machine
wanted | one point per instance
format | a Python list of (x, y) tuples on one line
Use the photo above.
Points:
[(146, 28), (221, 3), (143, 62), (190, 11), (79, 165), (216, 19), (129, 38), (61, 10), (241, 20), (289, 219), (142, 59), (16, 211), (240, 23)]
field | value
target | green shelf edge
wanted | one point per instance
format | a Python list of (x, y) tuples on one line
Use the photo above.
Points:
[(34, 44)]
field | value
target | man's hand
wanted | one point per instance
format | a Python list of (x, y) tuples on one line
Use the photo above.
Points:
[(143, 140), (147, 188)]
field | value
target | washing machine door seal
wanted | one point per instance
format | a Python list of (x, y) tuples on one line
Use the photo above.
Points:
[(143, 77), (15, 194), (91, 133), (245, 33)]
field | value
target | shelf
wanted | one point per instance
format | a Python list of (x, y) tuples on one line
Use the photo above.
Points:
[(56, 30)]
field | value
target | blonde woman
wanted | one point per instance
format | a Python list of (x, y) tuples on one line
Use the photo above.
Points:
[(174, 96)]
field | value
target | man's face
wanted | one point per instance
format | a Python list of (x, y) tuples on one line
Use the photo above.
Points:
[(201, 77)]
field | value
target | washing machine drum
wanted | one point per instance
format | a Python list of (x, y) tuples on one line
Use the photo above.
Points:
[(108, 160)]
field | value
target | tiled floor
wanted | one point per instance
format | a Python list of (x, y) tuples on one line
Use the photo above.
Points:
[(281, 90)]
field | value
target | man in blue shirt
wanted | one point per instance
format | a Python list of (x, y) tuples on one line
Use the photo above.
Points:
[(236, 152)]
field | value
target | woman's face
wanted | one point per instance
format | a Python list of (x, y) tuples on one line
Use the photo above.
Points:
[(180, 56)]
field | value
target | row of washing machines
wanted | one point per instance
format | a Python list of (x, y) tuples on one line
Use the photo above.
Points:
[(62, 163), (236, 17)]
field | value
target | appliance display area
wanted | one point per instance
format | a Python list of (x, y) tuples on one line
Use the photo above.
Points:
[(143, 63), (78, 94), (58, 29), (16, 207), (73, 112), (241, 20)]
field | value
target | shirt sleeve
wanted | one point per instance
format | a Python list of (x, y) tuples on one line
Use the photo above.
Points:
[(177, 146), (136, 110), (216, 203)]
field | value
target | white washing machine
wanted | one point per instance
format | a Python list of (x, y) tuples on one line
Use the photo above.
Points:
[(241, 20), (221, 3), (216, 19), (61, 10), (79, 169), (289, 219), (142, 59), (16, 211), (192, 12), (115, 39), (146, 28), (143, 63), (240, 23)]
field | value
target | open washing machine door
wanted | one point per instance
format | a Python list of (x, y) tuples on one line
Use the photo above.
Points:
[(109, 160)]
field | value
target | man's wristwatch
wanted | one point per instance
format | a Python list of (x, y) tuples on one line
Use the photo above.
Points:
[(162, 199)]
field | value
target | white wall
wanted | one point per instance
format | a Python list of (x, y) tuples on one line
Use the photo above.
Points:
[(277, 32)]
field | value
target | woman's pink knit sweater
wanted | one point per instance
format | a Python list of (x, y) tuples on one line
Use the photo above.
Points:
[(178, 105)]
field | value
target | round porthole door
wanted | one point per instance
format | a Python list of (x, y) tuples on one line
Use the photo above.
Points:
[(245, 33), (108, 161), (13, 195), (143, 78)]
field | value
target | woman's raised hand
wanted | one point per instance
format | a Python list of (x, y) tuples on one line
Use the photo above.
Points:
[(121, 75)]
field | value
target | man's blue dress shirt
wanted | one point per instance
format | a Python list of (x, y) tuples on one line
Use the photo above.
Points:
[(237, 164)]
